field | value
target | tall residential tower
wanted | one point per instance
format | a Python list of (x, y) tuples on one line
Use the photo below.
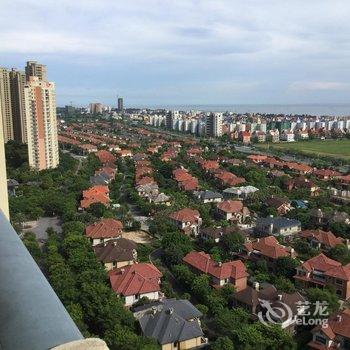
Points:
[(41, 119), (213, 125), (35, 69), (6, 105)]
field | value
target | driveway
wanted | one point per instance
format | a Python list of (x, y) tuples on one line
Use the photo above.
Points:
[(40, 226)]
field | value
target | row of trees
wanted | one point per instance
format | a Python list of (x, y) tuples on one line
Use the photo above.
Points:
[(82, 285)]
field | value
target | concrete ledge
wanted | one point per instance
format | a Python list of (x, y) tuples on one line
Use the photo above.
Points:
[(85, 344)]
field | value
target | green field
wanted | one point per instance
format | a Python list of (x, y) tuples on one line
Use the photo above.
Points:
[(330, 148)]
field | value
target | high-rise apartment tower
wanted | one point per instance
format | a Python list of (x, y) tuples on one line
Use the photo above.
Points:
[(213, 125), (41, 120), (34, 69)]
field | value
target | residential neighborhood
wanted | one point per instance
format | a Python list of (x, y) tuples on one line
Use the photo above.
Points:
[(190, 235)]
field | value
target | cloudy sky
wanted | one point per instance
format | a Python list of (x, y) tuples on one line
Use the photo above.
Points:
[(156, 52)]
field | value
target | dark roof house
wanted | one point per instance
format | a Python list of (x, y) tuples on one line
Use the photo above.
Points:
[(171, 321)]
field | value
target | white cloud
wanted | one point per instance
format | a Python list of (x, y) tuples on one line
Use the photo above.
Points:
[(155, 47), (179, 28)]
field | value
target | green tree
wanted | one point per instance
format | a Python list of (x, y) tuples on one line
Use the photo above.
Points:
[(341, 253), (222, 343), (323, 295), (286, 266)]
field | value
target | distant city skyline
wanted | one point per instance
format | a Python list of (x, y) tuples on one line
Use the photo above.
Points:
[(184, 52)]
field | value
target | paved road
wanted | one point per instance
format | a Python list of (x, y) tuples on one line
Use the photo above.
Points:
[(40, 226)]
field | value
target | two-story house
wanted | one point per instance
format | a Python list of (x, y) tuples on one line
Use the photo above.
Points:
[(278, 226), (188, 220), (104, 230), (231, 272), (174, 324), (335, 334), (116, 253), (321, 271), (136, 281), (268, 249), (233, 211), (323, 240)]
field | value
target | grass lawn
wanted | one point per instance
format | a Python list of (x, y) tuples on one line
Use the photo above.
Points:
[(330, 148)]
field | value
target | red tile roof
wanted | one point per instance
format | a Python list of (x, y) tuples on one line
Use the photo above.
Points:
[(95, 194), (230, 206), (268, 246), (181, 175), (326, 238), (209, 164), (106, 228), (256, 158), (338, 324), (189, 185), (135, 279), (204, 263), (145, 181), (320, 263), (105, 156), (185, 215)]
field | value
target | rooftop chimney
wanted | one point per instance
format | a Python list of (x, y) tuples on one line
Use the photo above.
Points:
[(339, 318)]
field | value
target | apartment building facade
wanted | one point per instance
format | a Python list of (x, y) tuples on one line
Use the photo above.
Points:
[(40, 106)]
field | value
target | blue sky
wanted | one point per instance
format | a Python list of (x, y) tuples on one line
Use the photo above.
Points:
[(184, 51)]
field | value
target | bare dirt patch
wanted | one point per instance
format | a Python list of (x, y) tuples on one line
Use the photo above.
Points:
[(138, 236)]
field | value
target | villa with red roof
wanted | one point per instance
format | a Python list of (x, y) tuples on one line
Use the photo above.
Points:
[(321, 271), (268, 249), (136, 281), (298, 168), (335, 334), (95, 194), (104, 230), (105, 157), (231, 272), (209, 165), (228, 179), (188, 220), (232, 211), (319, 239), (257, 158), (326, 174), (181, 175)]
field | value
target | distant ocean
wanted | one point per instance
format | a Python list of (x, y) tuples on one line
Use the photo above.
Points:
[(298, 109)]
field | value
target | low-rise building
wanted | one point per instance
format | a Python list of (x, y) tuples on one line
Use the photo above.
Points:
[(277, 226), (323, 240), (233, 211), (281, 205), (254, 300), (241, 192), (95, 194), (335, 334), (104, 230), (188, 220), (136, 281), (321, 271), (116, 253), (216, 233), (174, 324), (231, 272), (208, 196), (268, 249)]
